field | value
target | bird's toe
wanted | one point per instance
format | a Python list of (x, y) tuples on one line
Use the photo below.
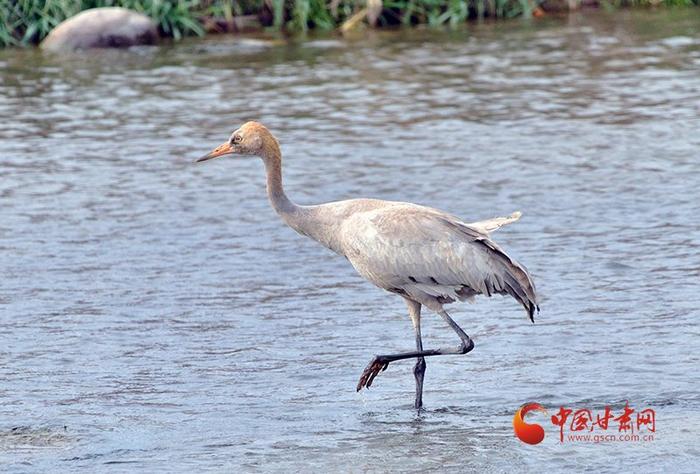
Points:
[(378, 364)]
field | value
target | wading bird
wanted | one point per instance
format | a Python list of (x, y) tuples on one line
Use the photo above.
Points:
[(426, 256)]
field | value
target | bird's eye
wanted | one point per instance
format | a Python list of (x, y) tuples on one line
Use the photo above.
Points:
[(236, 139)]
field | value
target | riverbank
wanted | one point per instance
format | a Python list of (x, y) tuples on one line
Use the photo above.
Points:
[(26, 22)]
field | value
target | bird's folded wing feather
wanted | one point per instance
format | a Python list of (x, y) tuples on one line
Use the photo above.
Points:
[(408, 244), (496, 223), (419, 242)]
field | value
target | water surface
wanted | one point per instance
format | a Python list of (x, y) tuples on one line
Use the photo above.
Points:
[(157, 315)]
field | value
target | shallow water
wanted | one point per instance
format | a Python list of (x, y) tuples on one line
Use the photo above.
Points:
[(157, 315)]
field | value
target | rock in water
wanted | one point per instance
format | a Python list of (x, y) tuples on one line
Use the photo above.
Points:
[(110, 27)]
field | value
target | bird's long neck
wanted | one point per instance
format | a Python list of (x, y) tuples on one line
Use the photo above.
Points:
[(307, 220), (288, 210)]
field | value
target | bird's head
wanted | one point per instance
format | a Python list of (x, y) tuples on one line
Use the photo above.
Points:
[(253, 138)]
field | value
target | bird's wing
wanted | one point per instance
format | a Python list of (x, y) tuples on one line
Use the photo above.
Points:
[(417, 249), (490, 225)]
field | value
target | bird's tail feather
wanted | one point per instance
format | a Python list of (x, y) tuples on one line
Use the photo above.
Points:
[(517, 281)]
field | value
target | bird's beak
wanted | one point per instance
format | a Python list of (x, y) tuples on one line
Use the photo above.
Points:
[(221, 150)]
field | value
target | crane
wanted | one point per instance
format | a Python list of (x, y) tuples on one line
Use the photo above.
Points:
[(428, 257)]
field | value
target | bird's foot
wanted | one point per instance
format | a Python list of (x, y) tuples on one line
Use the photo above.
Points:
[(378, 364)]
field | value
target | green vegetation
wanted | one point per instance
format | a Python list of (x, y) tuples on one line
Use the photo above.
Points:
[(29, 21), (24, 22)]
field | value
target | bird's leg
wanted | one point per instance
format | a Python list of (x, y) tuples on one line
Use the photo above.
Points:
[(467, 343), (381, 362), (419, 374), (419, 368)]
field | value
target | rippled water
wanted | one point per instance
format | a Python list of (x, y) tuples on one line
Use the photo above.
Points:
[(158, 315)]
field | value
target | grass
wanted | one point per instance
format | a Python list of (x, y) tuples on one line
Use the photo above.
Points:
[(29, 21), (24, 22)]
